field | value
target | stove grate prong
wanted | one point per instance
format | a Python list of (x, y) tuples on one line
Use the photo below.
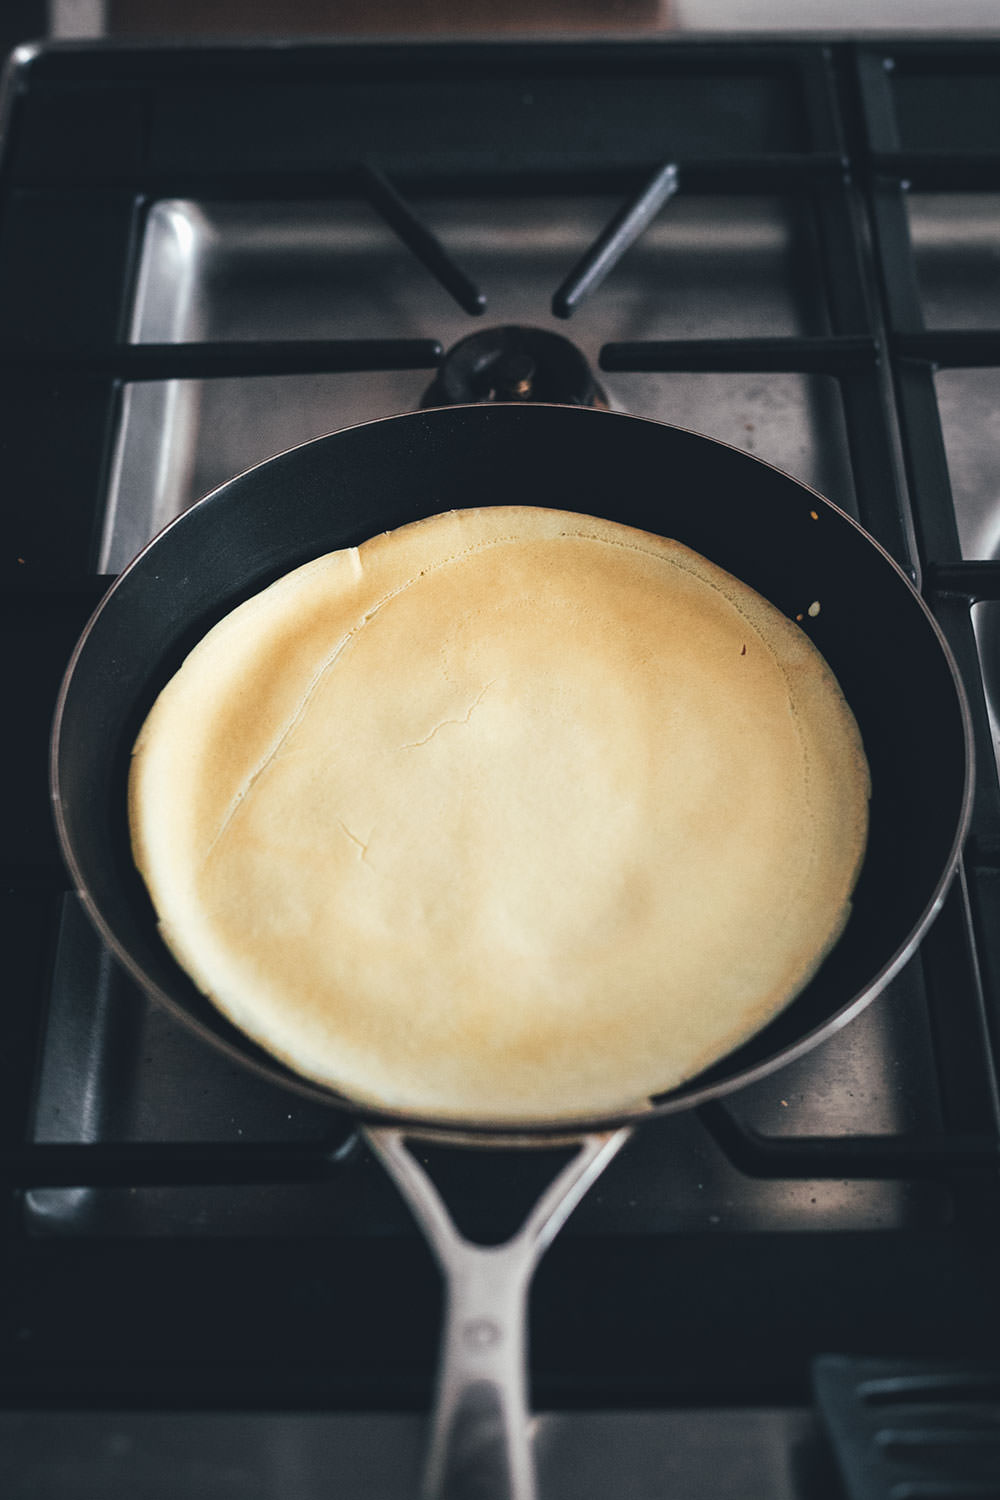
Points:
[(834, 354), (227, 359), (425, 245), (631, 220)]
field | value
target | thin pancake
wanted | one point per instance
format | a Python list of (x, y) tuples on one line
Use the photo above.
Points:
[(507, 815)]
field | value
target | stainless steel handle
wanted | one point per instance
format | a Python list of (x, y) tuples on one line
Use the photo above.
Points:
[(478, 1441), (480, 1447)]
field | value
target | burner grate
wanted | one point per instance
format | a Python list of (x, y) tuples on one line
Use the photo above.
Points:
[(912, 1428), (965, 148), (98, 136)]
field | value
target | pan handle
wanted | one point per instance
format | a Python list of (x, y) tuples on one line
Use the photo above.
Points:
[(479, 1444)]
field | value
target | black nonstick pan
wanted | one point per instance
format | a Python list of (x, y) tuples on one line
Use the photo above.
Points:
[(775, 534)]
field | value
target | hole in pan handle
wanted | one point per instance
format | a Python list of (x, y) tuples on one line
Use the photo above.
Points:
[(479, 1443)]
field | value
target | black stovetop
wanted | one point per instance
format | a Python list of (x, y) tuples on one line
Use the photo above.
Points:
[(180, 1236)]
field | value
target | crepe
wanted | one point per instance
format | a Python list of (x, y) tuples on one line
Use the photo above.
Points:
[(508, 815)]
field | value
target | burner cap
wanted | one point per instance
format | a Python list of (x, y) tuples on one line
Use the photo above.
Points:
[(512, 363)]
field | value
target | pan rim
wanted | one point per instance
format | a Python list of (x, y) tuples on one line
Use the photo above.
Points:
[(546, 1132)]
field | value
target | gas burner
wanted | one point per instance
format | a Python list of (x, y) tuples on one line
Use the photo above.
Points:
[(513, 363)]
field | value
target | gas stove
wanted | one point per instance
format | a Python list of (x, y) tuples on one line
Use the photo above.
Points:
[(210, 254)]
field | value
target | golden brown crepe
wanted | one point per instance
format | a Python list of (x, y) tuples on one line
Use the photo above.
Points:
[(508, 815)]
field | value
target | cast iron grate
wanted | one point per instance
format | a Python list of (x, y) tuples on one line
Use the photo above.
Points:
[(107, 132), (912, 1429), (902, 160)]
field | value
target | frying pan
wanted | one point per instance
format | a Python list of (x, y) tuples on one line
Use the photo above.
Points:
[(777, 535)]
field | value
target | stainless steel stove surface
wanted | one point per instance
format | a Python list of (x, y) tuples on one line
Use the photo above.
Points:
[(707, 267), (197, 272)]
